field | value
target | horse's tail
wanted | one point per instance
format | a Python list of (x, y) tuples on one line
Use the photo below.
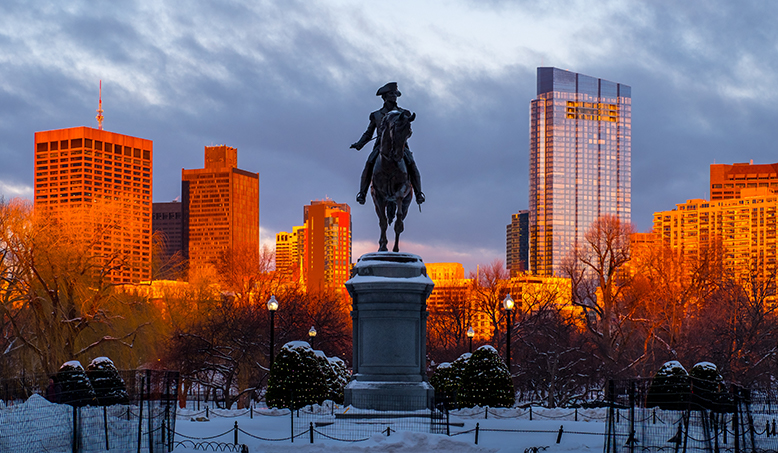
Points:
[(391, 208)]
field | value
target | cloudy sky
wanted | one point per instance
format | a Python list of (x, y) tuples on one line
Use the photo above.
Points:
[(291, 83)]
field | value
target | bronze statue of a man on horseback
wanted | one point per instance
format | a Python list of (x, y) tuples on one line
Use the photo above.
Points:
[(390, 170)]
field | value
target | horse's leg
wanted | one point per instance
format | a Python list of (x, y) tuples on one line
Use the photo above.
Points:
[(399, 224), (380, 206)]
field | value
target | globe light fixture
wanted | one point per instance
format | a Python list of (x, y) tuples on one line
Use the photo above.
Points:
[(470, 335), (272, 306), (508, 304)]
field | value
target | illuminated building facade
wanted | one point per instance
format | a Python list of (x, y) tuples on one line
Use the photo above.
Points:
[(726, 181), (517, 243), (288, 253), (220, 205), (743, 229), (580, 161), (326, 253), (101, 180), (167, 221)]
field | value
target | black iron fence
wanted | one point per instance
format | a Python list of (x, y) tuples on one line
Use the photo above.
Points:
[(29, 422), (731, 419)]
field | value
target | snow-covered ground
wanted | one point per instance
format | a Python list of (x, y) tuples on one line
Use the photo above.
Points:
[(276, 424)]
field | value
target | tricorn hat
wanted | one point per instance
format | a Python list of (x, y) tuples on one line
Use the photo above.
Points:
[(388, 88)]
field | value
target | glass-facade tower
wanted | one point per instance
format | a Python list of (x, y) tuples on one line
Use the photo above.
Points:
[(580, 161)]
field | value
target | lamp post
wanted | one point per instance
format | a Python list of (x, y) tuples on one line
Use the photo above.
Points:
[(272, 306), (508, 304), (470, 335), (312, 334)]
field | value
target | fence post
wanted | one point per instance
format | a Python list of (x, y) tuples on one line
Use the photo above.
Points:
[(148, 402), (530, 413), (75, 429), (477, 428), (310, 429), (105, 426), (486, 413), (140, 415), (291, 419), (559, 435), (206, 412), (576, 414), (251, 411), (735, 419), (632, 416), (235, 430)]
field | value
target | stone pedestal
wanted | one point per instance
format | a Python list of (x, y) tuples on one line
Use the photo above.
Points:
[(389, 294)]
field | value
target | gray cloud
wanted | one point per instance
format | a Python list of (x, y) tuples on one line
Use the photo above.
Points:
[(291, 84)]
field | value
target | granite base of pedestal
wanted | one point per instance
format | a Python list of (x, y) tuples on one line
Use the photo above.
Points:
[(389, 294)]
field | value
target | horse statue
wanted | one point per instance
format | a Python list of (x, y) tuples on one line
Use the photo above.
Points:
[(391, 188)]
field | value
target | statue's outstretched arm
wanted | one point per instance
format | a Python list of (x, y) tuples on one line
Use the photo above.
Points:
[(367, 136)]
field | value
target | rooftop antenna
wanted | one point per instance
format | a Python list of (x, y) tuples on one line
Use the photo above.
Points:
[(100, 108)]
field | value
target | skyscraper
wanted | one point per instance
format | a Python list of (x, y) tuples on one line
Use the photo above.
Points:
[(167, 222), (220, 206), (102, 181), (580, 161), (517, 243), (327, 245)]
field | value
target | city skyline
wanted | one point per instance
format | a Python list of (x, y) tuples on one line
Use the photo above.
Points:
[(290, 84)]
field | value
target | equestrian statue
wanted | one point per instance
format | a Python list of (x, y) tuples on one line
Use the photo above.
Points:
[(390, 170)]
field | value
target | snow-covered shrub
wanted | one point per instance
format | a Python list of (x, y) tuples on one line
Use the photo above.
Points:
[(670, 388), (337, 378), (707, 386), (448, 376), (297, 378), (74, 386), (486, 381), (108, 384)]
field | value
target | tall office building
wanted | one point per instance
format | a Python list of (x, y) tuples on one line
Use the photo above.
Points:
[(517, 243), (167, 221), (101, 181), (326, 254), (220, 206), (289, 247), (726, 181), (580, 161)]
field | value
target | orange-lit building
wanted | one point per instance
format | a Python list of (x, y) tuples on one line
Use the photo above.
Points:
[(450, 285), (326, 253), (288, 250), (102, 180), (726, 181), (517, 243), (220, 208), (743, 228)]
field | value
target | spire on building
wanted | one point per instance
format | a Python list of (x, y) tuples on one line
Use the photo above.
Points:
[(100, 108)]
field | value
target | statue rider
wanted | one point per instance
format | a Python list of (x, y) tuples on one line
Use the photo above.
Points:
[(389, 93)]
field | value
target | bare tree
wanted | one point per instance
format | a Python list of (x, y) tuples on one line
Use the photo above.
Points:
[(598, 276)]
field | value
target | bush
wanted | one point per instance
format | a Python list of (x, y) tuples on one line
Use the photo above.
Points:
[(448, 376), (670, 389), (300, 377), (486, 381), (707, 388), (337, 378), (74, 386), (108, 385)]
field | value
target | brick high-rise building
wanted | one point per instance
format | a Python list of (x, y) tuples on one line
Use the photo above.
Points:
[(102, 181), (326, 257), (742, 229), (289, 247), (517, 243), (220, 206), (580, 161), (726, 181)]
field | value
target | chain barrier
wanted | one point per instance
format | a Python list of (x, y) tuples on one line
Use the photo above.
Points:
[(264, 438), (339, 440), (205, 438), (214, 446)]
